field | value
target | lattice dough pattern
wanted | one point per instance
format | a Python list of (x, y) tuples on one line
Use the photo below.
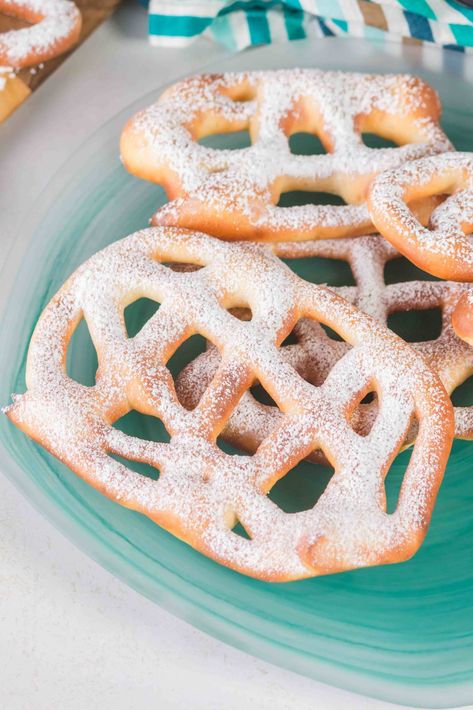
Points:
[(201, 491), (444, 247), (234, 193), (56, 26), (315, 353)]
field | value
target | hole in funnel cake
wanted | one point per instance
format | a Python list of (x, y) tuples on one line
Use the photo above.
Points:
[(298, 198), (233, 140), (143, 426), (181, 267), (301, 487), (370, 397), (332, 334), (230, 449), (262, 396), (462, 396), (290, 339), (304, 143), (140, 467), (320, 270), (364, 415), (138, 313), (417, 326), (374, 140), (241, 312), (244, 98), (186, 353), (401, 269), (238, 529), (81, 360), (394, 478)]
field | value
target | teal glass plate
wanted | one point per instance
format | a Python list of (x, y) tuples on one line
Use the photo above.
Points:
[(403, 633)]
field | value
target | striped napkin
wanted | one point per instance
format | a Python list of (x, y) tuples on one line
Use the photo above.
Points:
[(241, 23)]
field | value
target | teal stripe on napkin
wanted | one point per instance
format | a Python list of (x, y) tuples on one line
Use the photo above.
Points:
[(175, 25), (243, 23)]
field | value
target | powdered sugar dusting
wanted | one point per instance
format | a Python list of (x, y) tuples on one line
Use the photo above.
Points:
[(315, 353), (444, 247), (234, 192), (57, 27), (201, 491)]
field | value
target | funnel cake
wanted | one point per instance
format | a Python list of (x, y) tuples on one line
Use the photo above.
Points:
[(56, 26), (233, 194), (202, 492), (314, 353), (444, 247)]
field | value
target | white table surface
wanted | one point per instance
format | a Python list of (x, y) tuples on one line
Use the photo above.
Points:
[(71, 635)]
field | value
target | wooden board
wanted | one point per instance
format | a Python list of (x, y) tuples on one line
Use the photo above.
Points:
[(94, 12)]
